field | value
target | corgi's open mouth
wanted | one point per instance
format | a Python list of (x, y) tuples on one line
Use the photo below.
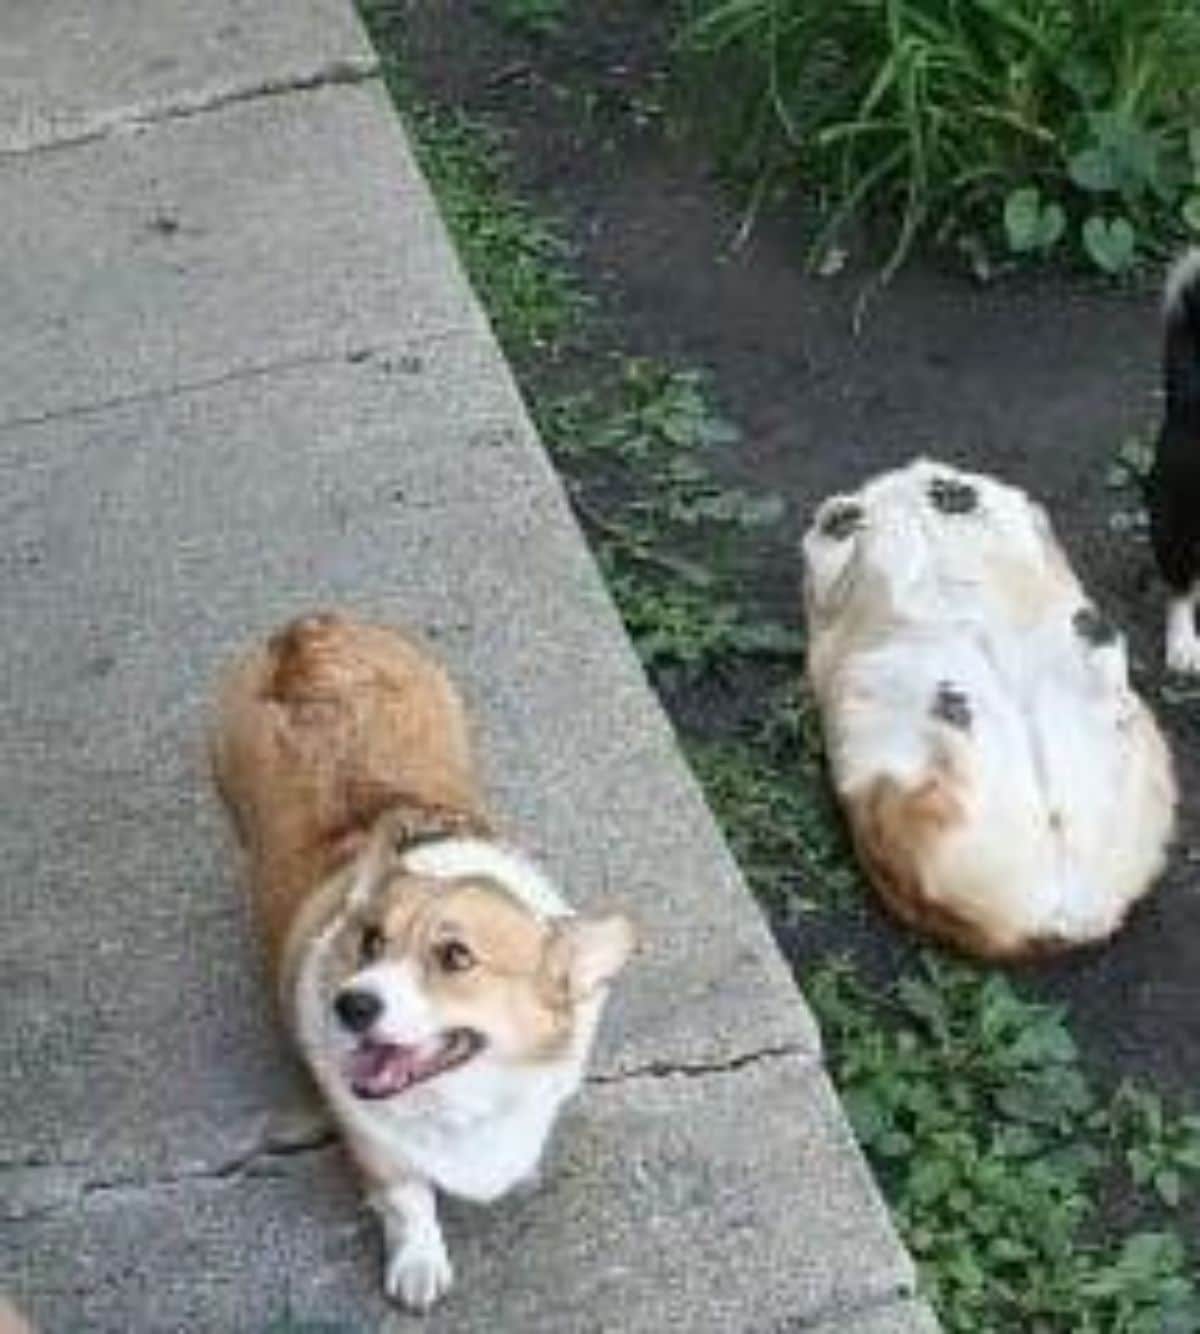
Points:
[(383, 1069)]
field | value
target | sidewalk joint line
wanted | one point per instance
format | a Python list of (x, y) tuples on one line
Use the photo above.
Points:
[(352, 355), (48, 132)]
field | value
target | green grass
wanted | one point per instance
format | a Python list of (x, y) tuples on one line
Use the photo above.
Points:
[(533, 18), (661, 523), (768, 791), (517, 261), (1008, 126), (994, 1146)]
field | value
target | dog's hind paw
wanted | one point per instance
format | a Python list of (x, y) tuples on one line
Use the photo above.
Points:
[(1184, 662), (419, 1273), (1183, 644)]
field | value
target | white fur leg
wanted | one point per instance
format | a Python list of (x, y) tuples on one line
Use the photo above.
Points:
[(1183, 644), (417, 1268)]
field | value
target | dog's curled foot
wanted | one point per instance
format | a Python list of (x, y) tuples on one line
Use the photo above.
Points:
[(419, 1273), (1183, 643)]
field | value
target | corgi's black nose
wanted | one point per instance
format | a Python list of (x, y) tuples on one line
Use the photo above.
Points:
[(357, 1010)]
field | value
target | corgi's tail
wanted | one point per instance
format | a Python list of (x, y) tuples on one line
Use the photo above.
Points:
[(1181, 353)]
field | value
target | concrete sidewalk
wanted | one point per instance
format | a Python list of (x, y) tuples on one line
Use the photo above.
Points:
[(242, 375)]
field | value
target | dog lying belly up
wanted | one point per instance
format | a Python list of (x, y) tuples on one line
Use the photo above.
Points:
[(1006, 789), (440, 990)]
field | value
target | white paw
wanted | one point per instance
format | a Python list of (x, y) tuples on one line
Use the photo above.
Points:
[(419, 1273), (1183, 655), (1183, 643)]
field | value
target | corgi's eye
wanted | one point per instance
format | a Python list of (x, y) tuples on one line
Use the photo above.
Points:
[(372, 943), (453, 956)]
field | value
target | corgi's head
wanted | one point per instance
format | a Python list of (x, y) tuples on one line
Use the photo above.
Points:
[(429, 974)]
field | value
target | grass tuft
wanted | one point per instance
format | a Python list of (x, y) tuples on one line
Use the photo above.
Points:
[(517, 260), (1009, 126), (661, 521)]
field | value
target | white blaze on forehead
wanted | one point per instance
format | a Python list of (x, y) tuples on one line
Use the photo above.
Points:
[(456, 858), (407, 1017)]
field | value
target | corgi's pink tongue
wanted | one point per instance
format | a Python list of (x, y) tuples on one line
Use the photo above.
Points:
[(379, 1069)]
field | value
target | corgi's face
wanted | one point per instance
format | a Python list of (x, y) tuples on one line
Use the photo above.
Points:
[(431, 975)]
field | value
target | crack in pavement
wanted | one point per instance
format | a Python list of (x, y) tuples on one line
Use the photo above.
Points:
[(353, 353), (47, 132), (58, 1191), (69, 1194), (698, 1069)]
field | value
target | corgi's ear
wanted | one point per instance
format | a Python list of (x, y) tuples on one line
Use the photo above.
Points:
[(585, 953), (374, 855)]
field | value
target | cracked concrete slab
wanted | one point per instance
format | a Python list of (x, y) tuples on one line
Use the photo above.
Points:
[(658, 1211), (214, 245), (72, 67)]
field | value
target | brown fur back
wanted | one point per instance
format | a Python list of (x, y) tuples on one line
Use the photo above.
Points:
[(318, 733), (895, 831)]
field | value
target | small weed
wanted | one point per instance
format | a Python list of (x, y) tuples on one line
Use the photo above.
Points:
[(1126, 478), (1160, 1150), (644, 457), (770, 794), (534, 18), (672, 625), (1132, 462)]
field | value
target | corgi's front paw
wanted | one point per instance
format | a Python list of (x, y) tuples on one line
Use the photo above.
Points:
[(418, 1272)]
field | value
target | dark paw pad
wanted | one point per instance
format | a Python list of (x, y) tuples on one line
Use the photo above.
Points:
[(951, 706), (842, 520), (1093, 627), (953, 497)]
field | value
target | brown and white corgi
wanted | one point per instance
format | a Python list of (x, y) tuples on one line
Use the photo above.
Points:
[(440, 990), (1006, 788)]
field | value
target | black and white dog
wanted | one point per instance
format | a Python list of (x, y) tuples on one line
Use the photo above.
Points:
[(1173, 485)]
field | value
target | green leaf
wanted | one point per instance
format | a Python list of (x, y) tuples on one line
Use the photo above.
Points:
[(1111, 245), (1191, 211), (924, 1002), (1051, 226), (929, 1180), (1022, 212), (1169, 1185), (1093, 170), (1030, 226)]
